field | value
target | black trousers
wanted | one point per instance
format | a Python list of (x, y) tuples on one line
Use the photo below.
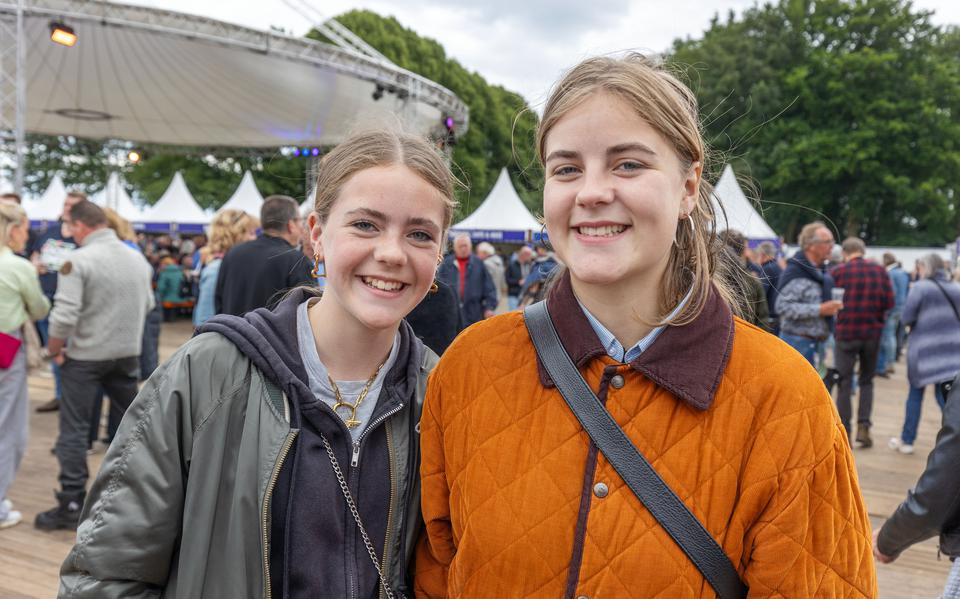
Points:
[(847, 354), (82, 383)]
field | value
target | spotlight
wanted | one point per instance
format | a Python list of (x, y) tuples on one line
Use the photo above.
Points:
[(134, 157), (449, 123), (315, 152), (305, 152), (378, 93), (62, 34)]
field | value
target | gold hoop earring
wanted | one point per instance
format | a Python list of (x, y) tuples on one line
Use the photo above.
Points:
[(434, 288), (316, 268)]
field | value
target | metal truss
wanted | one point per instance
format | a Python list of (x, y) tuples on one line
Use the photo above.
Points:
[(392, 78), (12, 88)]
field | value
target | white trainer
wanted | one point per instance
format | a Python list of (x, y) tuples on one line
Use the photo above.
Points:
[(13, 518), (897, 444)]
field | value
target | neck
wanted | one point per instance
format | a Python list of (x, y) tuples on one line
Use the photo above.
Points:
[(349, 350), (812, 259), (278, 234), (624, 310)]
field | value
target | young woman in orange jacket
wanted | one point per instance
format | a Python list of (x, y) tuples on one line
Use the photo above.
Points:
[(519, 502)]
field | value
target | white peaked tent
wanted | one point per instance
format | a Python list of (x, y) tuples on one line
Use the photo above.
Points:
[(49, 206), (502, 217), (115, 196), (308, 203), (175, 211), (247, 197), (740, 212)]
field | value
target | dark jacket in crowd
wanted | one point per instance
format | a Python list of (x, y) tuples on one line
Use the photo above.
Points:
[(514, 274), (479, 292), (437, 320), (770, 279), (255, 274), (932, 507)]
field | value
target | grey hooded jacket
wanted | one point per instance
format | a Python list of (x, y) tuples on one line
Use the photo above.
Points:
[(210, 413)]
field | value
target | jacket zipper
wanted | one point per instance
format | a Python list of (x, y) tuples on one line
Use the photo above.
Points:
[(393, 499), (268, 495)]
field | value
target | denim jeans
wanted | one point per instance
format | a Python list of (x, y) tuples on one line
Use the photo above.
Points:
[(806, 347), (43, 329), (912, 418), (888, 341), (82, 382), (847, 354)]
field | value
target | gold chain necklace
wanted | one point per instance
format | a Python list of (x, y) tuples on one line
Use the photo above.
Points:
[(352, 421)]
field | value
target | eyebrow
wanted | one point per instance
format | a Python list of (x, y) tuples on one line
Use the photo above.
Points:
[(413, 220), (612, 151)]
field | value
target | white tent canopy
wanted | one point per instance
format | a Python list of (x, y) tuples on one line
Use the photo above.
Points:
[(502, 217), (116, 197), (176, 210), (247, 197), (740, 213), (49, 206)]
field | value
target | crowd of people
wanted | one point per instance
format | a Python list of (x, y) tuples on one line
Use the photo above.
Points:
[(345, 360)]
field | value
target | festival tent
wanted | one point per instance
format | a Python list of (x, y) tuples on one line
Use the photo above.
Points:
[(740, 213), (48, 207), (501, 218), (116, 197), (247, 197), (175, 211)]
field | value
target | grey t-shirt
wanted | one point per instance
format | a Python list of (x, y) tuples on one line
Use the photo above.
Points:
[(349, 390)]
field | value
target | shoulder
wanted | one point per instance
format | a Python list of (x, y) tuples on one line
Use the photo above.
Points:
[(490, 346), (798, 286), (208, 365), (780, 391)]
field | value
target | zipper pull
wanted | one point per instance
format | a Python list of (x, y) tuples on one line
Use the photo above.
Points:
[(355, 459)]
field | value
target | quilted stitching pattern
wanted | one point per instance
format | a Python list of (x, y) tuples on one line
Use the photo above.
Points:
[(767, 470)]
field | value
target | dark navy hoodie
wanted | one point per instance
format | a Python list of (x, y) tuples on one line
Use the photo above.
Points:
[(316, 549)]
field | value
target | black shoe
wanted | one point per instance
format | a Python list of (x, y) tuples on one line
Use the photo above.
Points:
[(863, 436), (51, 406), (66, 516)]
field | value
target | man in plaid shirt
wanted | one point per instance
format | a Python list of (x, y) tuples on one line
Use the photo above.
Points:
[(867, 298)]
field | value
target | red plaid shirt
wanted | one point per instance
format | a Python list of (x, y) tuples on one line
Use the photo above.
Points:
[(867, 298)]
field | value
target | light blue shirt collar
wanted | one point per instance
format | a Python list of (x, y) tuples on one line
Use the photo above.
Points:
[(614, 348)]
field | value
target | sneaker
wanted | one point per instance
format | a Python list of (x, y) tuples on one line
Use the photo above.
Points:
[(6, 505), (65, 516), (863, 436), (13, 518), (51, 406), (897, 444)]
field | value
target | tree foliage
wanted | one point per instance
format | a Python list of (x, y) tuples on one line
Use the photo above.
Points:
[(840, 109), (502, 126)]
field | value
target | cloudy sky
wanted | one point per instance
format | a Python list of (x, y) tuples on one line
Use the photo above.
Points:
[(523, 45)]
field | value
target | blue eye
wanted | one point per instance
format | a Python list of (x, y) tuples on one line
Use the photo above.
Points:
[(565, 170), (422, 236), (631, 165), (363, 225)]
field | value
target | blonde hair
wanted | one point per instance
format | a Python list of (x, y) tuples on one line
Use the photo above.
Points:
[(11, 215), (228, 228), (120, 225), (371, 149), (668, 106), (808, 234)]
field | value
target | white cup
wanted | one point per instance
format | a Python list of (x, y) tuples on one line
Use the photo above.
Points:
[(836, 294)]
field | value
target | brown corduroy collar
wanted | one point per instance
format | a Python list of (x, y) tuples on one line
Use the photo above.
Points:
[(688, 361)]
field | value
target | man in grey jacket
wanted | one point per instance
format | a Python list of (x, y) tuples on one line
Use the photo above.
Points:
[(96, 326)]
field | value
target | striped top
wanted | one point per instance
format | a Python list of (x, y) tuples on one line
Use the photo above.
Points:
[(933, 352)]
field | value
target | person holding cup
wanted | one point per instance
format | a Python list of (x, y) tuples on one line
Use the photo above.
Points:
[(866, 296)]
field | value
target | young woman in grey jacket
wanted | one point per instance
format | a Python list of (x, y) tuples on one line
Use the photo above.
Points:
[(277, 454)]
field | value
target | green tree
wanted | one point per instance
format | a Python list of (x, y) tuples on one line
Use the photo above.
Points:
[(845, 109), (501, 124), (83, 164)]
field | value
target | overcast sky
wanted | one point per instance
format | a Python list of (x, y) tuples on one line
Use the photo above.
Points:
[(523, 45)]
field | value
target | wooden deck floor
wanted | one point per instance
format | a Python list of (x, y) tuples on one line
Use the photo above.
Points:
[(30, 559)]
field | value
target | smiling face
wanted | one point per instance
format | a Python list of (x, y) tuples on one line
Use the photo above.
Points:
[(380, 245), (614, 193)]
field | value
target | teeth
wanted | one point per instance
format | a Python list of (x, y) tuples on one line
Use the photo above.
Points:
[(605, 231), (381, 284)]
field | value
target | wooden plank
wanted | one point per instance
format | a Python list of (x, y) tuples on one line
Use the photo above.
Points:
[(30, 559)]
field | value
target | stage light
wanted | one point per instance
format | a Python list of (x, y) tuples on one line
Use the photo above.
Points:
[(315, 152), (449, 123), (62, 34), (305, 152), (134, 157)]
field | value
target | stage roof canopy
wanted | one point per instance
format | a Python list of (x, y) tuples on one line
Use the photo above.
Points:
[(155, 76)]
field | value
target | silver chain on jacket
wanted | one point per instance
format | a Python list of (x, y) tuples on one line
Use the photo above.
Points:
[(356, 517)]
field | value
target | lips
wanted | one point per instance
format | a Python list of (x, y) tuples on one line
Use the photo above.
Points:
[(383, 284), (600, 230)]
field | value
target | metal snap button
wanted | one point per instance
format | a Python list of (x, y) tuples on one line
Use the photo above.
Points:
[(600, 490), (617, 381)]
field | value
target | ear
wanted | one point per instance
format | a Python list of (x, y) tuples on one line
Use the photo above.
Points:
[(691, 188), (316, 230)]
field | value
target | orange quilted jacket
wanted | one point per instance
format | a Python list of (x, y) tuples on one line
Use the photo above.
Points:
[(518, 503)]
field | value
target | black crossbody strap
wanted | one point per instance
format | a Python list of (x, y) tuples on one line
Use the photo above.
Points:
[(687, 532), (947, 295)]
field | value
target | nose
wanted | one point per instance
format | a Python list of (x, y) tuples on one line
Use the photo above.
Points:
[(596, 189), (391, 250)]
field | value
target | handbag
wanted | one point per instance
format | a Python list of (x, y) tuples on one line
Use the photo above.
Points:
[(31, 339), (659, 499), (9, 346)]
